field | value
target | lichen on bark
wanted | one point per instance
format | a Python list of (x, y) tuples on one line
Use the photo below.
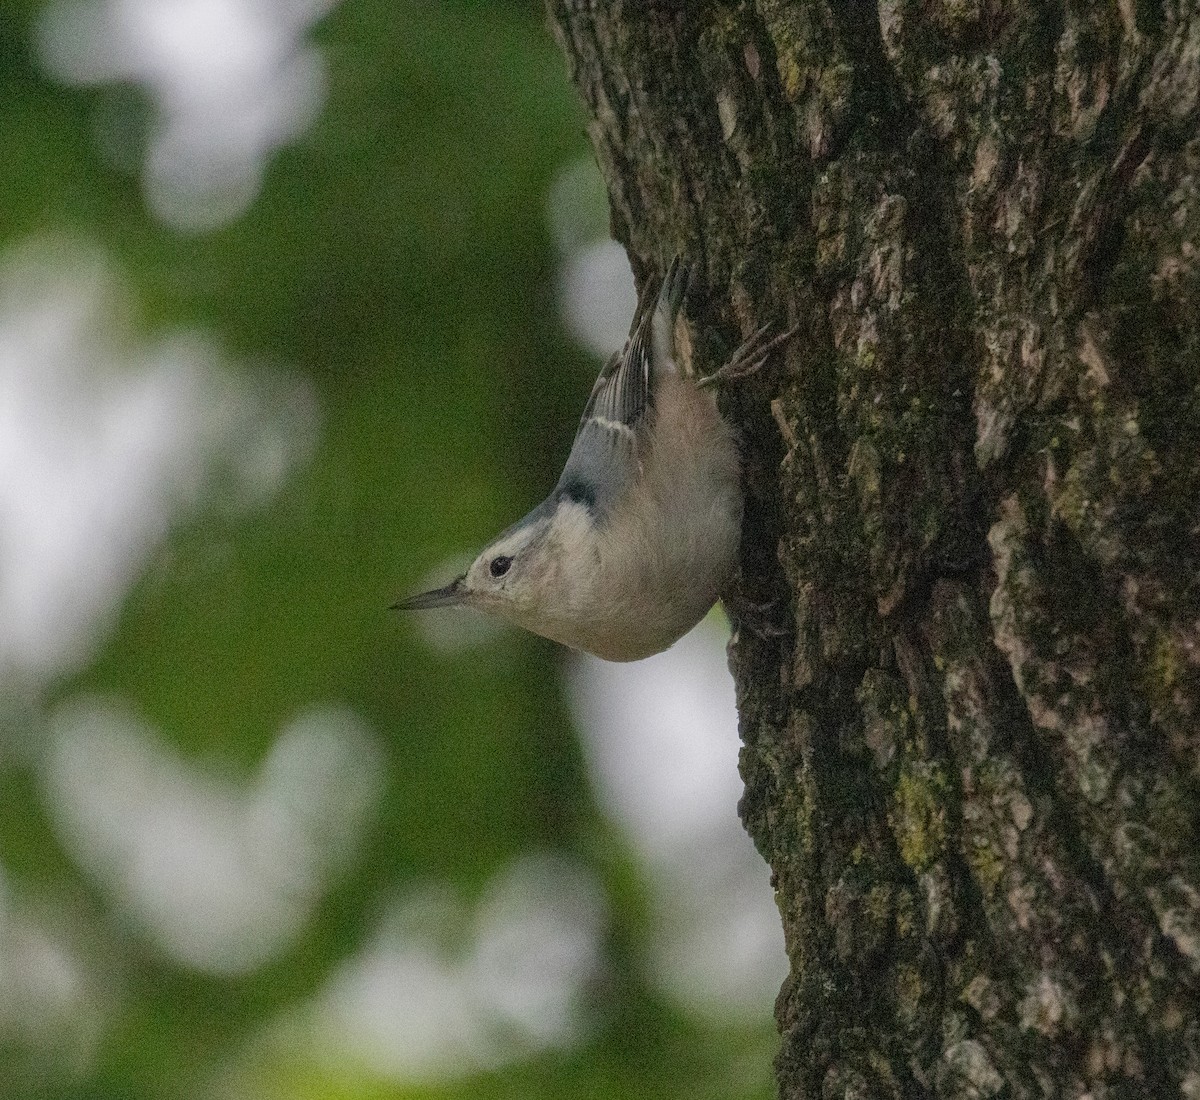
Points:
[(970, 755)]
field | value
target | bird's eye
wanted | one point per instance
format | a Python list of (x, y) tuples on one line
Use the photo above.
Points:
[(500, 566)]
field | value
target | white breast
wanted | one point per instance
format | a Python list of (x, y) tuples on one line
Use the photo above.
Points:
[(666, 557)]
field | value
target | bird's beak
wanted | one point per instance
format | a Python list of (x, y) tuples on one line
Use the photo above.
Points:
[(451, 595)]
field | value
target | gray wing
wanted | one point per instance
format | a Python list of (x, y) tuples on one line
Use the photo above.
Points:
[(604, 459)]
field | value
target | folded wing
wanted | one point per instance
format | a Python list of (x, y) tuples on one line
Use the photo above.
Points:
[(604, 457)]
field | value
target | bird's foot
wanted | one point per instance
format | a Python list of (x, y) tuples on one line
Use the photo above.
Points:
[(758, 618), (749, 357)]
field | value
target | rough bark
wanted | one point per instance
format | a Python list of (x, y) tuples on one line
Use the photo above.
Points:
[(971, 756)]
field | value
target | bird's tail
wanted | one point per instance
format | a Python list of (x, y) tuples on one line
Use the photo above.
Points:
[(667, 305)]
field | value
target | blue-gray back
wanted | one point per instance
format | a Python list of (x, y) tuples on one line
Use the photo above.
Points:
[(604, 457)]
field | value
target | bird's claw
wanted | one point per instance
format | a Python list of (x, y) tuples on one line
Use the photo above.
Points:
[(749, 358), (755, 617)]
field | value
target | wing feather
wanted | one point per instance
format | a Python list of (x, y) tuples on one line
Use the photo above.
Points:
[(604, 459)]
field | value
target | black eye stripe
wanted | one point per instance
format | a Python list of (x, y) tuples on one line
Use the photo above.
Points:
[(499, 566)]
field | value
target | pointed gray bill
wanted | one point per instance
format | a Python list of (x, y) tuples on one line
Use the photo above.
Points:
[(449, 596)]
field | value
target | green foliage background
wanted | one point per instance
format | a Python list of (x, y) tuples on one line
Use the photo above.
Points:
[(398, 257)]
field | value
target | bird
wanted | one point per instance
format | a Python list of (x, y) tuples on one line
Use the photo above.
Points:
[(639, 537)]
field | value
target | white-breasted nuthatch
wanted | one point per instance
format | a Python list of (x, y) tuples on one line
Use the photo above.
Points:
[(640, 535)]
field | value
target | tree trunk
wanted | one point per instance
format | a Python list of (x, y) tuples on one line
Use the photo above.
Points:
[(970, 752)]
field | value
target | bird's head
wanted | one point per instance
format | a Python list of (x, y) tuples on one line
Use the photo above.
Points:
[(521, 574)]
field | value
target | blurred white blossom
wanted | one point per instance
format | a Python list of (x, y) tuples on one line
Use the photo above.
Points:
[(232, 81), (50, 1000), (661, 740), (106, 440), (221, 877), (597, 296), (445, 990)]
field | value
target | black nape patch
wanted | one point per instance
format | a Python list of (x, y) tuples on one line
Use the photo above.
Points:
[(577, 492)]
